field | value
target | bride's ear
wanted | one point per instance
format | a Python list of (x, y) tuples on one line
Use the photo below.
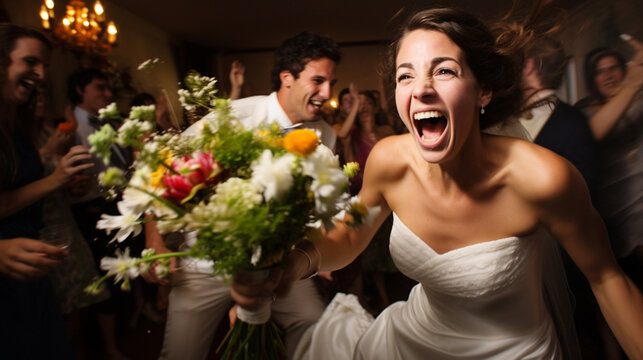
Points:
[(485, 97)]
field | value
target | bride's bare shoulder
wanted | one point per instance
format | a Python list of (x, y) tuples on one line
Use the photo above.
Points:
[(537, 173), (391, 155)]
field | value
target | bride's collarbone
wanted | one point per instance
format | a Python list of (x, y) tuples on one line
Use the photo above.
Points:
[(445, 228)]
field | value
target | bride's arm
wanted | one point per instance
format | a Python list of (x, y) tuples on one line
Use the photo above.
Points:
[(342, 245), (563, 205)]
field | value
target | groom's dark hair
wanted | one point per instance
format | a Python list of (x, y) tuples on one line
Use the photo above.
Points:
[(296, 52)]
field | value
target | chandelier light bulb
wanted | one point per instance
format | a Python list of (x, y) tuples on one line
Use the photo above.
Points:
[(98, 8), (44, 14), (111, 32), (111, 28), (49, 4)]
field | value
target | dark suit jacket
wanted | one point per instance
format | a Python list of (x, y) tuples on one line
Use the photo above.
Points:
[(567, 133)]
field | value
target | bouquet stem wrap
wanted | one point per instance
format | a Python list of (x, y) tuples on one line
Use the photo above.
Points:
[(257, 316), (253, 335)]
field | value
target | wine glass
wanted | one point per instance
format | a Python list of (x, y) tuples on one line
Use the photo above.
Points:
[(56, 234)]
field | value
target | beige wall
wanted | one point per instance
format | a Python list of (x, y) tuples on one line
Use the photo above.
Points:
[(138, 40)]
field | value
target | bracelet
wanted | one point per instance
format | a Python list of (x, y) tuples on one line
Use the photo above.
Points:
[(310, 262)]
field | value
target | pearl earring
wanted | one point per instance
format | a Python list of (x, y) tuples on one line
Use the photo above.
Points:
[(482, 110)]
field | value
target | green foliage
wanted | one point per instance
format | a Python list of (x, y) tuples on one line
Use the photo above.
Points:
[(274, 226)]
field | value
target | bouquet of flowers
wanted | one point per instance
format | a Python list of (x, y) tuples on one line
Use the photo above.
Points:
[(249, 196)]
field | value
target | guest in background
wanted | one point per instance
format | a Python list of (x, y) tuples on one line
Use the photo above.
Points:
[(344, 119), (32, 326), (615, 111), (237, 79), (89, 91), (365, 133), (78, 270), (549, 121)]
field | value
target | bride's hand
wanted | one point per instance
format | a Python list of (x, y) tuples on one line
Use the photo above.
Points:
[(250, 294)]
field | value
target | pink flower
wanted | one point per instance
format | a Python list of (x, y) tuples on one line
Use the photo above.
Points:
[(202, 167), (178, 187), (190, 172)]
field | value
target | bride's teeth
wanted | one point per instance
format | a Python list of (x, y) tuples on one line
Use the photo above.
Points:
[(426, 115)]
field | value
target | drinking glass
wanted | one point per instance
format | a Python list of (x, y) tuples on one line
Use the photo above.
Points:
[(57, 235)]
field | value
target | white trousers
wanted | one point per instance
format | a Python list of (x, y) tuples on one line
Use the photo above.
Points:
[(198, 303)]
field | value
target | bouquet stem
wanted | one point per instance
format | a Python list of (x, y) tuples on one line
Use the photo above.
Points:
[(254, 335), (253, 341)]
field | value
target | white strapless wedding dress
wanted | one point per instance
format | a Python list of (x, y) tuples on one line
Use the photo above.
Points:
[(483, 301)]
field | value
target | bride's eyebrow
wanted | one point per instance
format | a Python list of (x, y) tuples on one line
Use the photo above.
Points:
[(434, 62), (439, 60), (405, 65)]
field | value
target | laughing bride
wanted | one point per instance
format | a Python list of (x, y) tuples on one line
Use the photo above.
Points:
[(474, 219)]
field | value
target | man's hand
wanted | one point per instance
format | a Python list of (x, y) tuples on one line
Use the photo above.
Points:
[(28, 259), (634, 75)]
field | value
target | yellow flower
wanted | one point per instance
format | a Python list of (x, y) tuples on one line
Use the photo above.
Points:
[(157, 176), (301, 142), (351, 169)]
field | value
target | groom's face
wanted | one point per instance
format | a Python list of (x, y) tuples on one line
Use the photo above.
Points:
[(306, 94)]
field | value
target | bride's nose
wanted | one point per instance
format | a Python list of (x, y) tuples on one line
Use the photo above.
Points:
[(423, 88)]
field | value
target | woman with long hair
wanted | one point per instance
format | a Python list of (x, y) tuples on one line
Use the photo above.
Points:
[(31, 323)]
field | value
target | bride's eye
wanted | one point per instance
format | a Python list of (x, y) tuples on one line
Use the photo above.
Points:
[(403, 77), (445, 72)]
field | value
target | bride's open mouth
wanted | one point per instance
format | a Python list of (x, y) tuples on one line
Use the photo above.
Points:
[(431, 128)]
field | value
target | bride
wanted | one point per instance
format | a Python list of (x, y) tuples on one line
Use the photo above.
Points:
[(472, 217)]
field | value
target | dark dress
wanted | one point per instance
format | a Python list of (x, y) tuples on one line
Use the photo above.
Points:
[(31, 323)]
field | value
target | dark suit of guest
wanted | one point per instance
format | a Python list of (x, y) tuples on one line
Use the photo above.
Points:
[(567, 133)]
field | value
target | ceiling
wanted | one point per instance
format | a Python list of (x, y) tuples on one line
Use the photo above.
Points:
[(247, 25)]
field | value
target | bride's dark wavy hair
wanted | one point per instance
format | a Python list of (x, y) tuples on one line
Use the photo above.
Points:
[(495, 54)]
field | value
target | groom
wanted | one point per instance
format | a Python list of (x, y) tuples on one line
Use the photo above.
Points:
[(302, 78)]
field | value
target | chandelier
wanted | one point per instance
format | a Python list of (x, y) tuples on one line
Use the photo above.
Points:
[(80, 29)]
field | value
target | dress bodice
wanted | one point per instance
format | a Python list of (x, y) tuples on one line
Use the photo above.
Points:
[(490, 282)]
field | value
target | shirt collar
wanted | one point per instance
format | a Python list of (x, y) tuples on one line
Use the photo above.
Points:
[(277, 114)]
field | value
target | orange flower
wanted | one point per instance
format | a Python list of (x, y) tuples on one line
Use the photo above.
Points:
[(301, 142), (68, 126)]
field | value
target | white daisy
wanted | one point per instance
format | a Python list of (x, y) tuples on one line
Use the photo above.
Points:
[(272, 175), (122, 266), (126, 223)]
